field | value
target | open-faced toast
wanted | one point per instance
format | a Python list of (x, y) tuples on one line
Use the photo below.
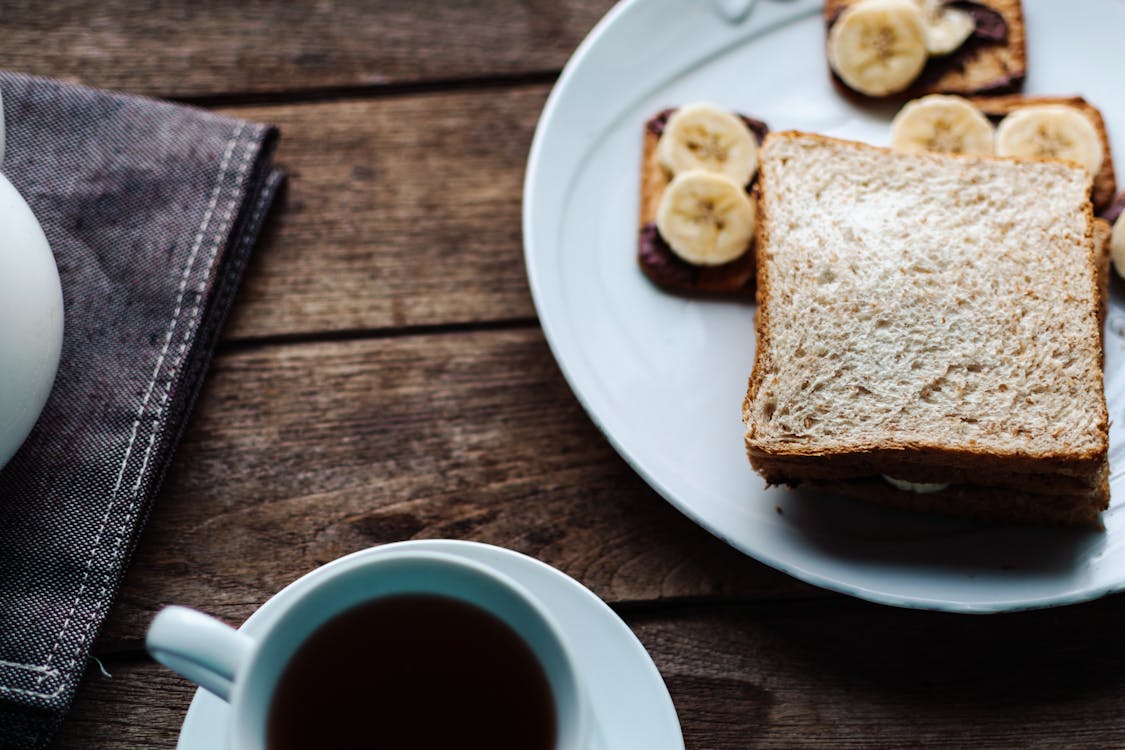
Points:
[(991, 59), (656, 258)]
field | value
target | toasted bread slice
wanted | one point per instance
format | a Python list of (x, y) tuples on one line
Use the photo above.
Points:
[(662, 266), (927, 316), (982, 65), (924, 468), (1105, 181), (989, 503)]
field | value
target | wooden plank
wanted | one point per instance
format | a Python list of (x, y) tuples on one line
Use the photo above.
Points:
[(399, 212), (181, 49), (829, 674), (142, 705), (854, 675), (300, 454)]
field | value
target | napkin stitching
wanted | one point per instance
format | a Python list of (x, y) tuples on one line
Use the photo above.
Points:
[(46, 668), (34, 668), (213, 253), (29, 667), (46, 672), (173, 324), (192, 316)]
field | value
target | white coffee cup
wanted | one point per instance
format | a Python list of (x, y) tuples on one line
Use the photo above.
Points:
[(31, 316), (245, 670)]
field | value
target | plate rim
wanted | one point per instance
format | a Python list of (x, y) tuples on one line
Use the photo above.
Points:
[(548, 323)]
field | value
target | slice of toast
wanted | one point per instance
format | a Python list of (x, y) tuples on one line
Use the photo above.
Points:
[(660, 264), (1105, 181), (988, 63), (1027, 480), (931, 317), (988, 503)]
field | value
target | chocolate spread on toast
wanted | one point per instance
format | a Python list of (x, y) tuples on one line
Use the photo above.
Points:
[(661, 264)]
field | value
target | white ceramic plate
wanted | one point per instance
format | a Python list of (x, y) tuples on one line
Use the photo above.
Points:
[(664, 377), (632, 708)]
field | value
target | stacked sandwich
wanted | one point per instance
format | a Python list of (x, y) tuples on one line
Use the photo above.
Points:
[(929, 316), (929, 330)]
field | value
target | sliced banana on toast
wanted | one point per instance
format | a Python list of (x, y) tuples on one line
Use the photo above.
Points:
[(1051, 131), (706, 218), (942, 123), (945, 28), (702, 136), (878, 47)]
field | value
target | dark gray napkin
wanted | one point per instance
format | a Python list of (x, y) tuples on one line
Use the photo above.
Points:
[(151, 210)]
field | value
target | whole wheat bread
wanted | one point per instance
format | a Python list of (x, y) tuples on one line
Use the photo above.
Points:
[(932, 317)]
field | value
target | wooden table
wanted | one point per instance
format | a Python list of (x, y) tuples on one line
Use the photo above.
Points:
[(383, 377)]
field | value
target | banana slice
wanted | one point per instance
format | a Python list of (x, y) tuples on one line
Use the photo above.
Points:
[(1117, 246), (1051, 131), (706, 218), (942, 123), (878, 47), (700, 136), (945, 28)]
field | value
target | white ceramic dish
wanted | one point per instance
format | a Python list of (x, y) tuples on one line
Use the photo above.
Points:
[(664, 377), (632, 709), (31, 317)]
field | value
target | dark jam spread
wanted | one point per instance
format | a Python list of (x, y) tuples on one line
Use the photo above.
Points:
[(989, 29), (990, 25), (665, 268), (1115, 209), (661, 263)]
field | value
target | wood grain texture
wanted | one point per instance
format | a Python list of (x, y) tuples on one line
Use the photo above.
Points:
[(384, 380), (168, 48), (847, 674), (142, 705), (299, 454), (400, 211), (830, 674)]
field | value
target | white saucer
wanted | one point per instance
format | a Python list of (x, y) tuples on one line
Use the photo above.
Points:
[(632, 707)]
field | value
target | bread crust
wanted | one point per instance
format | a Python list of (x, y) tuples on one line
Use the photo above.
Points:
[(989, 68), (1102, 232), (918, 468), (1105, 181), (792, 462), (668, 271)]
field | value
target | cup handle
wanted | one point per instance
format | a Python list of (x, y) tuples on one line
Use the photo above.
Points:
[(199, 647)]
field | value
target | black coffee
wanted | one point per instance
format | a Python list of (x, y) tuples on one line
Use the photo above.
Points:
[(413, 671)]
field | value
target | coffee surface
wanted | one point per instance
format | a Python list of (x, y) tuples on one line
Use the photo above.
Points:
[(413, 671)]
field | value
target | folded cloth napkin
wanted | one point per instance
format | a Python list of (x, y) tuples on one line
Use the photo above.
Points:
[(151, 210)]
